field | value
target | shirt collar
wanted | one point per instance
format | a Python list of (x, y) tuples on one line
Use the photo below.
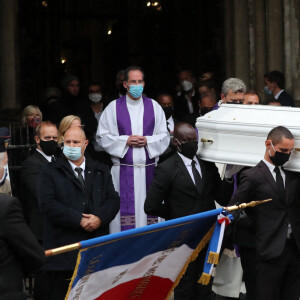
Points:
[(271, 166), (48, 157), (73, 166), (278, 94), (186, 160), (170, 120)]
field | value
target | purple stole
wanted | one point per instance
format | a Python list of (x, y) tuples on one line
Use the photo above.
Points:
[(127, 208)]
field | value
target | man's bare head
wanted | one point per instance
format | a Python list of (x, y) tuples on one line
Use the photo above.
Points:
[(75, 137), (184, 132)]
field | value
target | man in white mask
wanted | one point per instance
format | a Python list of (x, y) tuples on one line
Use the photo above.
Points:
[(187, 102), (78, 201)]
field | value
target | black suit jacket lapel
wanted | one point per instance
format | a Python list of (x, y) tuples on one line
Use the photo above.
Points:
[(64, 164), (40, 157), (88, 175), (288, 178), (203, 175), (266, 171), (185, 171)]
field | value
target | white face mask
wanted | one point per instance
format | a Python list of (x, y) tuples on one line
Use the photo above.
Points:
[(186, 85), (95, 97)]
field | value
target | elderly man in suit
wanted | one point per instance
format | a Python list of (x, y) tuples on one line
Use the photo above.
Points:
[(78, 201), (183, 185), (46, 140), (276, 223)]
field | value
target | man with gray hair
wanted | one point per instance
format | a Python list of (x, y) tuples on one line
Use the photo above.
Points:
[(233, 91)]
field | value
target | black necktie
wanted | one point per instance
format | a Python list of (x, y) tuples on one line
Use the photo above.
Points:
[(53, 158), (79, 177), (197, 176), (168, 126), (279, 181)]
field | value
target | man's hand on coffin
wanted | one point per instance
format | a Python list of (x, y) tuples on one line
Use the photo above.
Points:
[(90, 222)]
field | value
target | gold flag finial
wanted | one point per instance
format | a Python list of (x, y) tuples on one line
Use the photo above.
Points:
[(245, 205)]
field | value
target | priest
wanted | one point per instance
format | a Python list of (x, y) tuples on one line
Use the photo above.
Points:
[(132, 129)]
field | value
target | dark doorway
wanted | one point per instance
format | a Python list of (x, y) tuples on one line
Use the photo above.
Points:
[(94, 39)]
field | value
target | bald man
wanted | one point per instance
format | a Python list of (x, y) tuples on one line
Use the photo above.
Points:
[(78, 201), (183, 185)]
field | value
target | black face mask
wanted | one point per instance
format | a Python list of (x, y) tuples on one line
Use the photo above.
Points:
[(204, 111), (121, 89), (168, 112), (189, 149), (280, 158), (48, 147), (234, 102)]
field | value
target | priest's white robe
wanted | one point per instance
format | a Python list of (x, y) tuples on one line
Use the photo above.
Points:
[(113, 143)]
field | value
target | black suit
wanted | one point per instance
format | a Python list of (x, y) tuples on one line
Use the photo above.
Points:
[(285, 99), (30, 171), (20, 253), (62, 201), (192, 118), (181, 107), (271, 224), (173, 194)]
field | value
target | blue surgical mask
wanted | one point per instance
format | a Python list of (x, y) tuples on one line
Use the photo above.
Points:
[(136, 90), (72, 153), (267, 91)]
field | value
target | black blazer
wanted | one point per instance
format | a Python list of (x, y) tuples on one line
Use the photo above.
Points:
[(62, 199), (271, 219), (173, 193), (181, 107), (30, 171), (285, 99), (20, 253)]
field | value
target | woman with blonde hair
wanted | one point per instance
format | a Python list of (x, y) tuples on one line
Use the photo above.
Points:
[(66, 123), (31, 116)]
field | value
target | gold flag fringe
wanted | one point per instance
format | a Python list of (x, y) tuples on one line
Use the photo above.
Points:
[(204, 279), (74, 274), (213, 258), (193, 256)]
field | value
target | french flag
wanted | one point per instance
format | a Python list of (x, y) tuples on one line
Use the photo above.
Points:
[(142, 263)]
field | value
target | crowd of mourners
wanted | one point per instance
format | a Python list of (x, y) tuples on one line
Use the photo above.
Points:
[(95, 164)]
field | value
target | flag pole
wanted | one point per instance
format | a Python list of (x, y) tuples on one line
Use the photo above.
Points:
[(62, 249), (245, 205), (76, 246)]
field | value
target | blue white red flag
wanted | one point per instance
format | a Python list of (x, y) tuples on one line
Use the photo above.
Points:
[(142, 263)]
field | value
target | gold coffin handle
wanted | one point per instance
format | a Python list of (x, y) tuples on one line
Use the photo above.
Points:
[(297, 149), (211, 141)]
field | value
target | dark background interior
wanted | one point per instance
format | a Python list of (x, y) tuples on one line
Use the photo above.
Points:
[(161, 38)]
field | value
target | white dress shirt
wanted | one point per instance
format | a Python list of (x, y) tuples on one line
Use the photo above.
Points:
[(272, 167), (170, 124), (82, 166), (278, 94), (48, 157), (188, 164)]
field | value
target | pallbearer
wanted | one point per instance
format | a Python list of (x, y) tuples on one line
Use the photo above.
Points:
[(276, 222)]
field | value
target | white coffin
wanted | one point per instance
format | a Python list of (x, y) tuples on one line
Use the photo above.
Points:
[(238, 133)]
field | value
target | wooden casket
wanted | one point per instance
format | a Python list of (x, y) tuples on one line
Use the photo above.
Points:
[(236, 134)]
